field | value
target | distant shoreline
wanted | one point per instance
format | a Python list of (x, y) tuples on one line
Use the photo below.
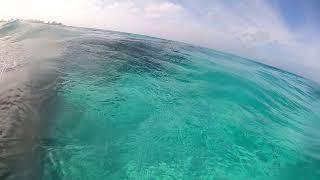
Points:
[(33, 21)]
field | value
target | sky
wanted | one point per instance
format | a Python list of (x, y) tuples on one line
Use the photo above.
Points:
[(281, 33)]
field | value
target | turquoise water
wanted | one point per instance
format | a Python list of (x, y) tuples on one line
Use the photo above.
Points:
[(133, 107)]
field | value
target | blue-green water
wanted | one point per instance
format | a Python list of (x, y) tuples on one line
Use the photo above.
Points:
[(111, 105)]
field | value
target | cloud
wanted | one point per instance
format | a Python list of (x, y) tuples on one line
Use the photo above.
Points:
[(248, 28), (162, 9)]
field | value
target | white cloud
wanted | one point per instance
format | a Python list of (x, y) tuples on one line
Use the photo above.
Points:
[(247, 28), (162, 9)]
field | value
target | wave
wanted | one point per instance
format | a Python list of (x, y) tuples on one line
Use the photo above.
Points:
[(27, 83), (98, 104)]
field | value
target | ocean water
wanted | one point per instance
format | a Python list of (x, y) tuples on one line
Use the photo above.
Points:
[(80, 103)]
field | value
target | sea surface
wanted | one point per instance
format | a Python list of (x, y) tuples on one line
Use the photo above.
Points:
[(78, 103)]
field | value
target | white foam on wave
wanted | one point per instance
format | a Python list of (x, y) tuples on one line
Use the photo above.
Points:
[(10, 56)]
